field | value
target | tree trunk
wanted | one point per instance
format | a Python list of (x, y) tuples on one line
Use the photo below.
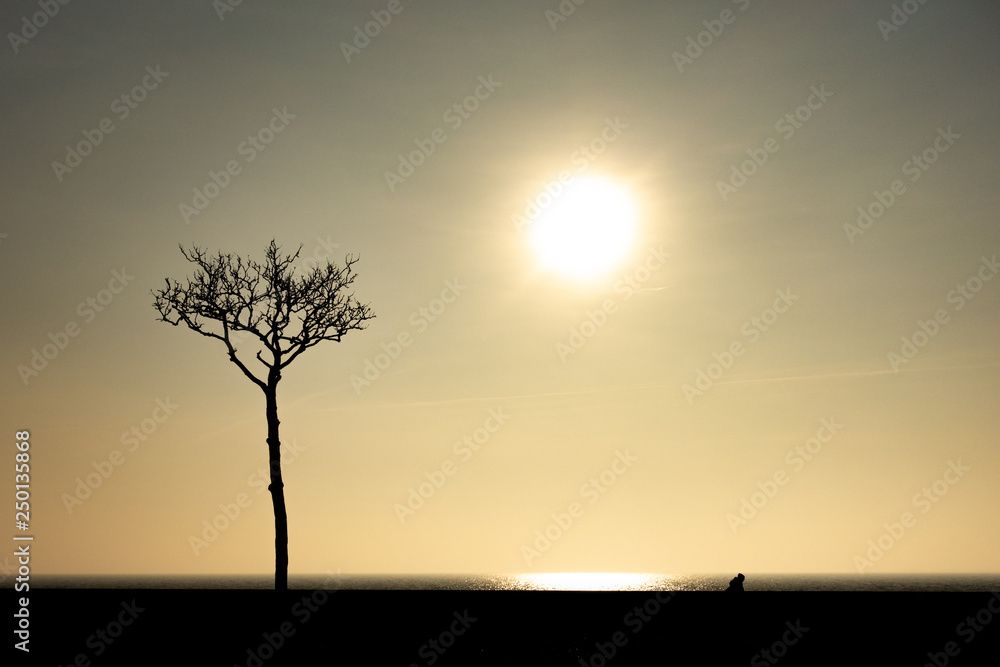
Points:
[(277, 489)]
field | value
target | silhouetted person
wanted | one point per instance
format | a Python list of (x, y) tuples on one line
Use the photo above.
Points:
[(736, 584)]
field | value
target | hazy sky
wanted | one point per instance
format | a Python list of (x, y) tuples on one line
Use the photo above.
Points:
[(751, 341)]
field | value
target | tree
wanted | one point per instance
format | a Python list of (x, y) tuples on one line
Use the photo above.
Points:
[(287, 314)]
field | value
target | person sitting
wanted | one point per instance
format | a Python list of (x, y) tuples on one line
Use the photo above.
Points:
[(736, 584)]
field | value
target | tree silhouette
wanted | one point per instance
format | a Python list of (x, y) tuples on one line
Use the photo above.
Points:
[(286, 313)]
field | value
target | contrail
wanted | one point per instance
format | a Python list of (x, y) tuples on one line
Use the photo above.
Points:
[(508, 397), (623, 389), (789, 378)]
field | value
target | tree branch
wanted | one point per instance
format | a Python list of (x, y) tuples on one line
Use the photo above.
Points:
[(265, 300)]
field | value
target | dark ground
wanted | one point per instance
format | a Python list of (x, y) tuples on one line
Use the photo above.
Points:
[(213, 627)]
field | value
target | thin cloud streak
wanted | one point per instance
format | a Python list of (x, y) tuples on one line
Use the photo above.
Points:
[(828, 376)]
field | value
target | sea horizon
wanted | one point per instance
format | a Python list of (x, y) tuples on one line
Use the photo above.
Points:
[(549, 581)]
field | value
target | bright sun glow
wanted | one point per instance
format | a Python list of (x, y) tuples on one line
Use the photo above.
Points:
[(586, 230)]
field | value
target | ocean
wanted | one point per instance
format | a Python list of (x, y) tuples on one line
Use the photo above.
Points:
[(566, 581)]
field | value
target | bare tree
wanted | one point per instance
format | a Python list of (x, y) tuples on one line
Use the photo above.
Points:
[(286, 313)]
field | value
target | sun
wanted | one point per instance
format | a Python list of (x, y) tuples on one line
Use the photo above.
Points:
[(586, 230)]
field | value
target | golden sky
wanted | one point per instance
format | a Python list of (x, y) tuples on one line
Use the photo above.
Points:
[(788, 364)]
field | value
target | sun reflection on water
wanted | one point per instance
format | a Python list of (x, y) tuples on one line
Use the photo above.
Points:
[(590, 581)]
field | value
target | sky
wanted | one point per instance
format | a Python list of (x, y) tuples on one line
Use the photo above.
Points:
[(790, 365)]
